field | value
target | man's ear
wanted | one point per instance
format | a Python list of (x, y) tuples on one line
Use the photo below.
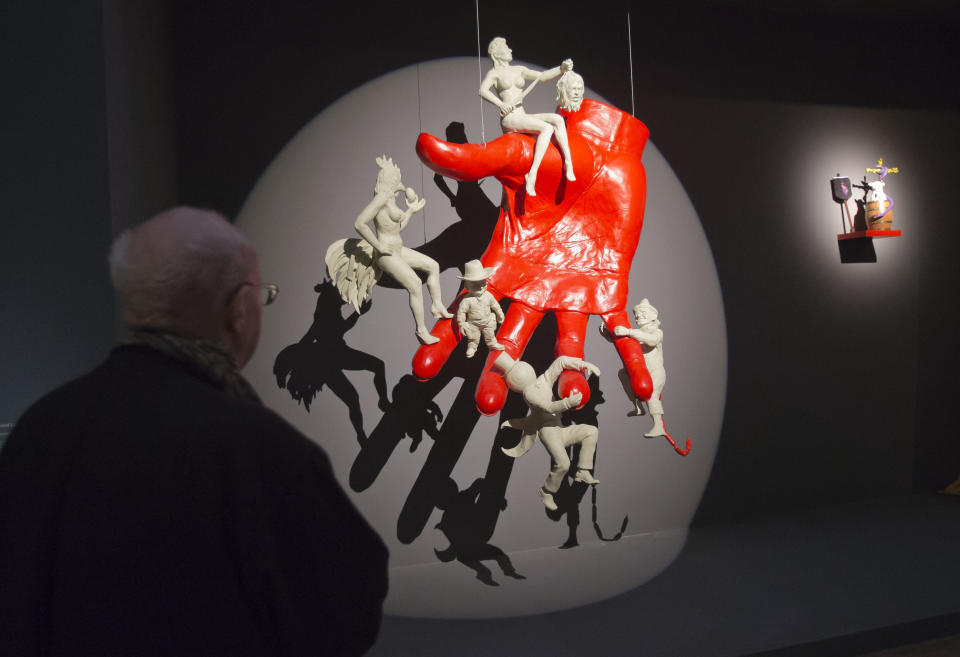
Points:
[(234, 322)]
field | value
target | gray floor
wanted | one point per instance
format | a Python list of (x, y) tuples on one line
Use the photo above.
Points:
[(845, 580), (947, 647)]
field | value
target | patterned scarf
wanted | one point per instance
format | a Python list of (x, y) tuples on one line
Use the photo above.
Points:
[(209, 356)]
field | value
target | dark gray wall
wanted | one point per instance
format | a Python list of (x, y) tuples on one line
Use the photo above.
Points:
[(57, 307)]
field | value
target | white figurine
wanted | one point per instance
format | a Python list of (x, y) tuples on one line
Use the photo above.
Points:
[(876, 194), (570, 91), (479, 313), (508, 82), (355, 265), (543, 422), (649, 335)]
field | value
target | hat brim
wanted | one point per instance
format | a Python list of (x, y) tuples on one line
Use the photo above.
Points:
[(487, 273)]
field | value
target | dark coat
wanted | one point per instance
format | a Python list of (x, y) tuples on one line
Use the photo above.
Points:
[(144, 512)]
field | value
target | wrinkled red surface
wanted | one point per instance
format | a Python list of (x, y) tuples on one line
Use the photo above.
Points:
[(568, 249)]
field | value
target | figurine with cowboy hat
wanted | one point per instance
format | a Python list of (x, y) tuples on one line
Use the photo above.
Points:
[(479, 313)]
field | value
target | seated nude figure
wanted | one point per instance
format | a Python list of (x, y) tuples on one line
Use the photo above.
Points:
[(508, 82), (354, 277)]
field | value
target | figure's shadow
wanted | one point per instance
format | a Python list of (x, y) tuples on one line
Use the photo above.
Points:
[(463, 524), (571, 493), (322, 356), (477, 216)]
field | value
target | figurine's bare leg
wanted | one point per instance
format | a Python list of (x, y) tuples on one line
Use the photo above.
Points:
[(519, 122), (427, 264), (401, 272), (560, 132)]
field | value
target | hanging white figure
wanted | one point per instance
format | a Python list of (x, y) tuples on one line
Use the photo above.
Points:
[(650, 337), (479, 314), (544, 423), (355, 265), (508, 82)]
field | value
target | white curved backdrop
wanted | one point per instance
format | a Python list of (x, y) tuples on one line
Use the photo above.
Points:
[(309, 197)]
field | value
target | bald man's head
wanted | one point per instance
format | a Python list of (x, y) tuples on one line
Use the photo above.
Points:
[(190, 272)]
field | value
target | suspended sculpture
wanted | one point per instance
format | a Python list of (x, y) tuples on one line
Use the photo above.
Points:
[(355, 265), (543, 421), (566, 250)]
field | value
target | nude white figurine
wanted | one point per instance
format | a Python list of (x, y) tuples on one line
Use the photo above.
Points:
[(355, 267), (649, 335), (478, 313), (544, 423), (503, 85)]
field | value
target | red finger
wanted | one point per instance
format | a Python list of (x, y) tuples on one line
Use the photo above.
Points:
[(571, 330), (515, 332), (631, 353), (430, 358), (509, 155)]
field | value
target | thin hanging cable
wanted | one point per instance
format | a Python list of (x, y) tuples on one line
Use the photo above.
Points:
[(633, 109), (483, 136), (420, 131)]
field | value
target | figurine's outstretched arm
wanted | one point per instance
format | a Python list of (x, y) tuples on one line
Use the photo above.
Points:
[(651, 337)]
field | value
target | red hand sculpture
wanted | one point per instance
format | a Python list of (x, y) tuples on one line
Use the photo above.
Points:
[(568, 249)]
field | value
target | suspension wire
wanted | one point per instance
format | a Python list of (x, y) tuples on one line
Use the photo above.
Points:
[(483, 136), (633, 109), (420, 131)]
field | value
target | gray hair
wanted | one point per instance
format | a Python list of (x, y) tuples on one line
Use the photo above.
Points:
[(565, 80), (176, 270)]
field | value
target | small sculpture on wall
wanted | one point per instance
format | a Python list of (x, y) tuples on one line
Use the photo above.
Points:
[(478, 314), (355, 265), (650, 336), (504, 85), (543, 421), (874, 216), (879, 206)]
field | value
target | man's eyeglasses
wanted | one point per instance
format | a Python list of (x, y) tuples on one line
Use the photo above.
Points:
[(268, 292)]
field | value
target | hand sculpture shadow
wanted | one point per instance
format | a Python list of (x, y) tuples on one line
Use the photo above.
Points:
[(455, 432), (570, 496), (463, 523), (322, 355), (462, 240)]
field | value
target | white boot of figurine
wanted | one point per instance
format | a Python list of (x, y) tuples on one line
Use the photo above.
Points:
[(547, 498), (425, 338), (658, 427), (586, 477)]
